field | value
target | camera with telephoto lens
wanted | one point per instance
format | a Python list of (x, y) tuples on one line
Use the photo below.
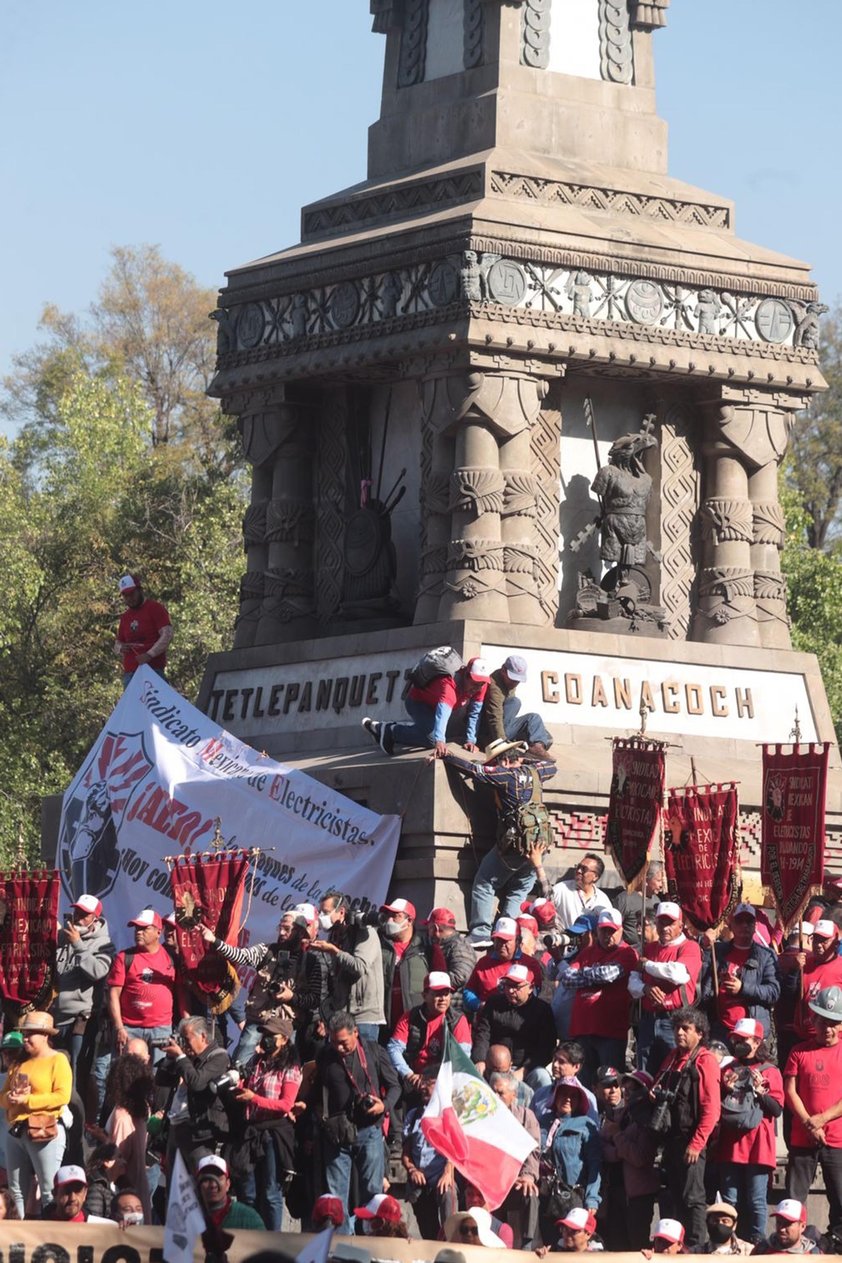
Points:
[(166, 1040), (226, 1082), (559, 940)]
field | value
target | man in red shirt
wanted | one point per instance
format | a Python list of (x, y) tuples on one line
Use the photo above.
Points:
[(491, 968), (431, 707), (142, 986), (144, 631), (822, 968), (599, 976), (812, 1078), (418, 1038), (667, 980)]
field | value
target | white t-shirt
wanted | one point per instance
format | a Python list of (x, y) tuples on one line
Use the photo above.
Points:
[(570, 903)]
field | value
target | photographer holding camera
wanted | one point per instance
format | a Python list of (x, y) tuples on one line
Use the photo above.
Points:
[(355, 1087), (203, 1068), (355, 968)]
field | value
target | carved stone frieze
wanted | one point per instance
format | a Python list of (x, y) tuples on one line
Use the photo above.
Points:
[(290, 521), (545, 445), (393, 202), (680, 490), (649, 15), (616, 201), (288, 594), (616, 56), (433, 570), (474, 31), (519, 558), (251, 587), (769, 586), (475, 554), (535, 34), (520, 494), (768, 523), (720, 587), (330, 501), (264, 433), (413, 52), (724, 519), (254, 524), (476, 491)]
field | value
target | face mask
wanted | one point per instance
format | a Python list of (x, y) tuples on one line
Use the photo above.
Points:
[(742, 1048), (133, 1219), (719, 1233), (267, 1046), (325, 921), (392, 928)]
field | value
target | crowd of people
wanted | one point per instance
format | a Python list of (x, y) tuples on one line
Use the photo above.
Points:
[(654, 1069)]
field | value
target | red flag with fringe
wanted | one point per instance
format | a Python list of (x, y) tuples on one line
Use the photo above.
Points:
[(634, 808), (793, 837), (28, 935), (700, 851), (208, 890)]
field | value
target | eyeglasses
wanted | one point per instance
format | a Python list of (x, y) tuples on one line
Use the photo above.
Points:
[(583, 868), (468, 1230)]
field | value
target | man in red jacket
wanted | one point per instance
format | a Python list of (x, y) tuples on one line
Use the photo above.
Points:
[(667, 980), (599, 977), (690, 1074)]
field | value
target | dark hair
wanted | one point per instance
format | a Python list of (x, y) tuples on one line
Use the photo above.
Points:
[(574, 1052), (121, 1192), (105, 1152), (341, 1021), (130, 1085), (386, 1228), (339, 900), (600, 864), (693, 1017)]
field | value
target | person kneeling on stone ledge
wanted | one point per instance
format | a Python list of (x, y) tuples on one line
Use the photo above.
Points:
[(501, 719)]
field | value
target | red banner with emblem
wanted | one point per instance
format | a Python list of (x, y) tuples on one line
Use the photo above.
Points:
[(701, 851), (208, 890), (793, 837), (634, 808), (28, 935)]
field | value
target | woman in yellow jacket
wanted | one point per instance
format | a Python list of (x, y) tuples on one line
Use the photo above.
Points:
[(35, 1093)]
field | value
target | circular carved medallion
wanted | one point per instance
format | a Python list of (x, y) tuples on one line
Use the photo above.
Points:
[(443, 284), (250, 326), (644, 302), (774, 320), (506, 282), (344, 305)]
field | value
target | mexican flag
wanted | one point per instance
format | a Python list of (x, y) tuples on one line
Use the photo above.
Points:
[(471, 1127)]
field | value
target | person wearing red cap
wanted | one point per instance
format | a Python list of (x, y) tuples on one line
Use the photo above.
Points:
[(599, 976), (419, 1035), (748, 983), (577, 1230), (491, 968), (515, 1016), (820, 967), (451, 951), (142, 986), (666, 981), (382, 1217), (327, 1211), (144, 631), (407, 958), (430, 707), (789, 1237), (746, 1156), (84, 955)]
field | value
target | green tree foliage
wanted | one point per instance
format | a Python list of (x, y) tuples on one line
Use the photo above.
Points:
[(815, 467), (120, 463)]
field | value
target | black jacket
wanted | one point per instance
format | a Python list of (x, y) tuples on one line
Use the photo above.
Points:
[(208, 1115), (378, 1077), (527, 1030), (413, 968)]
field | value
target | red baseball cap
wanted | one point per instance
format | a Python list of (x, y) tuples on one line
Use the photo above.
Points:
[(400, 905), (527, 922), (327, 1207), (381, 1206), (89, 904), (438, 980), (146, 918), (441, 916)]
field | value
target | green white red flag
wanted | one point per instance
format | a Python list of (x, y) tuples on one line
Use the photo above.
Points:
[(467, 1123)]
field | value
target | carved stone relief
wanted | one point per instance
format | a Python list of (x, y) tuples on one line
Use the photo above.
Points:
[(617, 201), (535, 34), (546, 439), (616, 57), (474, 31), (413, 52), (679, 503), (649, 15), (724, 519), (330, 502)]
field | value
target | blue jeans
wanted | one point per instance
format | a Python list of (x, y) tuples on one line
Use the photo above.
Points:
[(261, 1190), (601, 1050), (370, 1030), (500, 879), (247, 1047), (128, 676), (25, 1156), (746, 1186), (655, 1038), (150, 1033), (367, 1156), (420, 731), (529, 728)]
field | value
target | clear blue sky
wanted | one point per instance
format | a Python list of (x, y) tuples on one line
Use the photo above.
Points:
[(203, 126)]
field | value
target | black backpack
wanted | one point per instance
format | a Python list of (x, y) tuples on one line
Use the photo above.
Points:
[(441, 661)]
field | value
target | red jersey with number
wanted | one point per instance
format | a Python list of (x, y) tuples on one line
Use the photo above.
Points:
[(818, 1075), (603, 1009), (148, 981), (140, 628)]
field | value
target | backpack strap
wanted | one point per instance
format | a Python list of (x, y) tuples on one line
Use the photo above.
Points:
[(537, 787)]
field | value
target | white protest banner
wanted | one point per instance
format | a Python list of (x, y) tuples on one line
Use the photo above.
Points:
[(155, 782)]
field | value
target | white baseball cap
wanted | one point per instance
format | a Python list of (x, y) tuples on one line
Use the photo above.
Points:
[(671, 912), (505, 927), (825, 929), (305, 912), (791, 1210), (212, 1163), (89, 903), (518, 974), (749, 1026), (438, 980), (579, 1219), (128, 583), (745, 910), (70, 1175), (612, 917), (669, 1230)]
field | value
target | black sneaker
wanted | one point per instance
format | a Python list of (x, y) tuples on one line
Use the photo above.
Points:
[(387, 744), (373, 727)]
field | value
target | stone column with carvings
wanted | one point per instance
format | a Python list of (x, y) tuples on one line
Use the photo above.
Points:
[(288, 604), (520, 545), (767, 541), (474, 585), (726, 613)]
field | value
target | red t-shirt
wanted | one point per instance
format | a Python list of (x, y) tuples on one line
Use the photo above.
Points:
[(442, 688), (148, 982), (731, 1007), (433, 1047), (818, 1075), (688, 953), (757, 1146), (141, 628), (817, 976), (489, 970), (603, 1010)]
